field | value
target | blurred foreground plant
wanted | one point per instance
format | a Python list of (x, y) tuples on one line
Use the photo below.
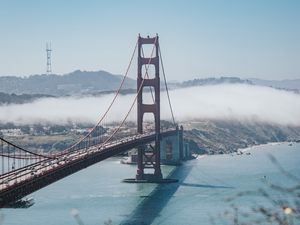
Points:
[(282, 205)]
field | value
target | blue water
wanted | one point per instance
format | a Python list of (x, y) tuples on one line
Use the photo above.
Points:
[(204, 185)]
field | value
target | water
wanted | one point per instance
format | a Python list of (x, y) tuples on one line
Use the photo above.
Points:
[(99, 195)]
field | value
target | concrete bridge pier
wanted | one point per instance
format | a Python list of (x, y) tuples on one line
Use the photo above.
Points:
[(172, 148)]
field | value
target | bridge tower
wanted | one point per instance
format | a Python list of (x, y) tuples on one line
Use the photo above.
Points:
[(148, 159)]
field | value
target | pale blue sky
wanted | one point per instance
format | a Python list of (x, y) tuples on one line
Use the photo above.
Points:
[(254, 38)]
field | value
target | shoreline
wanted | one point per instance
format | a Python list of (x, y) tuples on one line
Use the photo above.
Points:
[(261, 145), (249, 148)]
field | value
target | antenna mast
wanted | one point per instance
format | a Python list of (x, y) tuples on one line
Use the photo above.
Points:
[(48, 50)]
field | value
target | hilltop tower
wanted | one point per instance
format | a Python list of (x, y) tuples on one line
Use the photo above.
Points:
[(48, 50)]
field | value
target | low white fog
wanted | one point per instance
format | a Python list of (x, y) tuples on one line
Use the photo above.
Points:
[(226, 101)]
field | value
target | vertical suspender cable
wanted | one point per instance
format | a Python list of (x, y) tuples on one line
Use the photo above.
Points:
[(2, 157), (163, 70)]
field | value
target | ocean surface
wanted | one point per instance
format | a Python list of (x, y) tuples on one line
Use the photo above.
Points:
[(96, 195)]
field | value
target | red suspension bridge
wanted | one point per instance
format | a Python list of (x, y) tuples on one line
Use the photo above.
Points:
[(24, 171)]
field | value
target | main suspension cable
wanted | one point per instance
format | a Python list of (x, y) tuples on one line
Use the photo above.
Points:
[(134, 101), (109, 107), (25, 150)]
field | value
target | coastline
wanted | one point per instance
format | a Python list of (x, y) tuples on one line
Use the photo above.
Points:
[(249, 148), (261, 145), (227, 137)]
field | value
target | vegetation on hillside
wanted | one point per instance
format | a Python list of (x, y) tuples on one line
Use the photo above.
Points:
[(20, 99), (218, 137)]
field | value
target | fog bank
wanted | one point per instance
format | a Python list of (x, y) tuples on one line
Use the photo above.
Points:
[(222, 102)]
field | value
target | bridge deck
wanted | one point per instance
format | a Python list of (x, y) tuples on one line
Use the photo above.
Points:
[(19, 183)]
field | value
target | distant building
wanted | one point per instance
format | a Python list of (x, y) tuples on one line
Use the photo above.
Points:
[(11, 132)]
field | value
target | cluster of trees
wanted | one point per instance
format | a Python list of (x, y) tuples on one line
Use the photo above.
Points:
[(38, 128), (19, 99), (212, 81)]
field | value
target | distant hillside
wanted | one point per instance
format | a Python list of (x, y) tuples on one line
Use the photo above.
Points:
[(102, 82), (20, 99), (209, 81), (290, 85), (281, 84), (77, 82)]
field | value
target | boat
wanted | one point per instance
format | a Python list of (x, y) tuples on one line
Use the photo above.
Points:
[(239, 153), (22, 203), (127, 160)]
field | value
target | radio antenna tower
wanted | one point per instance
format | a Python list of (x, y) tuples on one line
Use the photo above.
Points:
[(48, 50)]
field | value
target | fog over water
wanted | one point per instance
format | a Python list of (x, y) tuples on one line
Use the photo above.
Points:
[(225, 102)]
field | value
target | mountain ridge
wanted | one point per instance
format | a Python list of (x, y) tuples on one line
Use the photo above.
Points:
[(99, 82), (76, 82)]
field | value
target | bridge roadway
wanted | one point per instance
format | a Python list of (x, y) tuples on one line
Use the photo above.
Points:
[(24, 181)]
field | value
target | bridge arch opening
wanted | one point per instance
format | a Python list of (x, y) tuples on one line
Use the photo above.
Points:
[(148, 71), (148, 95), (147, 51), (149, 121)]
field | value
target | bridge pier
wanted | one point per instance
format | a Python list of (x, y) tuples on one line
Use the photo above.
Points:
[(172, 152), (172, 148)]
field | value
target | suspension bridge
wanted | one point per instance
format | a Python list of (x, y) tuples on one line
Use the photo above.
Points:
[(24, 171)]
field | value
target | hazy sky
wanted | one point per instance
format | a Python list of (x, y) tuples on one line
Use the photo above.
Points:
[(255, 38)]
